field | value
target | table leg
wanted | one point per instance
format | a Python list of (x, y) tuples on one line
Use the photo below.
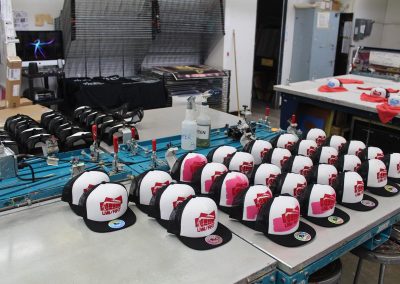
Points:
[(360, 261), (381, 273)]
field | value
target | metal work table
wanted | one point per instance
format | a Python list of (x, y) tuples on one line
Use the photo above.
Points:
[(330, 243), (49, 243)]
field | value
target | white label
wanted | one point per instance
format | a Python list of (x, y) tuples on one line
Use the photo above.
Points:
[(13, 74), (203, 132), (16, 89), (323, 20)]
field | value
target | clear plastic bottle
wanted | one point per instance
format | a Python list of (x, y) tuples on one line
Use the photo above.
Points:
[(203, 127), (189, 128)]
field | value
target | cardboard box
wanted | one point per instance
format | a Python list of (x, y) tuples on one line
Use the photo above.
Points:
[(13, 81)]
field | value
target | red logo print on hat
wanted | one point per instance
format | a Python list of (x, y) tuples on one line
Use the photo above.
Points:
[(179, 200), (90, 186), (205, 221), (208, 183), (288, 220), (299, 189), (379, 156), (358, 152), (398, 168), (289, 145), (233, 187), (191, 166), (325, 203), (311, 151), (332, 160), (357, 167), (271, 179), (284, 160), (246, 167), (305, 171), (259, 201), (157, 186), (381, 175), (320, 140), (359, 188), (264, 152), (332, 179), (111, 205)]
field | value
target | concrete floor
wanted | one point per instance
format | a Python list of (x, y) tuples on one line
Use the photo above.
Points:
[(370, 271)]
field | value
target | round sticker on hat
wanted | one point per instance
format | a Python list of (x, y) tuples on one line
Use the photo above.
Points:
[(391, 188), (368, 203), (116, 224), (335, 220), (213, 240), (302, 236)]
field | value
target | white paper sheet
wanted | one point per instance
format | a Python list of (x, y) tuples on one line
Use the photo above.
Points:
[(384, 59), (323, 20)]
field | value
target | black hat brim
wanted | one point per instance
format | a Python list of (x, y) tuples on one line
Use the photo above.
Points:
[(395, 180), (76, 209), (222, 235), (163, 223), (295, 239), (126, 220), (143, 208), (338, 218), (389, 190), (367, 204)]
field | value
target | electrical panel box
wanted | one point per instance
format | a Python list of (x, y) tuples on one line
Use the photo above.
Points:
[(314, 44)]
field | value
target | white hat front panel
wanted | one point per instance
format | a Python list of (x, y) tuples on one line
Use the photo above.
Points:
[(337, 142), (353, 189), (379, 92), (151, 183), (86, 181), (287, 141), (173, 195), (302, 165), (255, 198), (259, 150), (199, 218), (394, 167), (333, 83), (322, 201), (351, 163), (307, 148), (375, 153), (355, 147), (266, 174), (317, 135), (284, 216), (377, 173), (190, 164), (242, 162), (223, 153), (233, 184), (280, 157), (210, 172), (328, 156), (107, 202), (294, 185), (327, 174)]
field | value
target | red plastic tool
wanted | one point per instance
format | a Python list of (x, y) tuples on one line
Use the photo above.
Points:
[(293, 120), (94, 132), (154, 145), (267, 111), (115, 143)]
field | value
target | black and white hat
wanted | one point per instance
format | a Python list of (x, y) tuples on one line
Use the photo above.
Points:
[(185, 167), (326, 155), (392, 163), (167, 199), (298, 165), (305, 148), (195, 223), (353, 147), (205, 176), (277, 157), (375, 176), (323, 174), (146, 185), (226, 187), (318, 205), (258, 148), (291, 184), (219, 154), (336, 141), (349, 187), (279, 220), (285, 141), (248, 203), (79, 184), (240, 161), (317, 135), (370, 153), (105, 208), (265, 174), (348, 163)]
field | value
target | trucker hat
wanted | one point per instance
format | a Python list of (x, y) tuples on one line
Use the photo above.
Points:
[(265, 174), (371, 153), (205, 176), (336, 141), (185, 167), (105, 208), (285, 141), (289, 183), (219, 154), (318, 205), (167, 199), (348, 163), (146, 185), (248, 203), (323, 174), (277, 157), (349, 187), (317, 135), (257, 148), (353, 147), (298, 165), (195, 223), (326, 155), (79, 184), (226, 187), (333, 85), (375, 176), (392, 163), (305, 148), (240, 161), (279, 220)]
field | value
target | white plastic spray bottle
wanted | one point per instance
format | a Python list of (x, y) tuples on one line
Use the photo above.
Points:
[(189, 127)]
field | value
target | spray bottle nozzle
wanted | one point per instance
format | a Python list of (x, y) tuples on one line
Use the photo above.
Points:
[(190, 102)]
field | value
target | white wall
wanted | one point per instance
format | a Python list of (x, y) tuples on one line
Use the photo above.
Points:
[(391, 29)]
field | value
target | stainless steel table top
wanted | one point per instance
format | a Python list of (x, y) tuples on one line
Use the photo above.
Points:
[(50, 244), (292, 260)]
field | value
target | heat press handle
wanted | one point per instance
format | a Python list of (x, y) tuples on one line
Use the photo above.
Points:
[(133, 132), (267, 111), (94, 132), (154, 145), (293, 119), (115, 143)]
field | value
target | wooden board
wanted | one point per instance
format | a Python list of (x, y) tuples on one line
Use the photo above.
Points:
[(34, 111)]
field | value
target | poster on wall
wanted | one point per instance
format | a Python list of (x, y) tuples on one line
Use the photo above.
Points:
[(21, 20)]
